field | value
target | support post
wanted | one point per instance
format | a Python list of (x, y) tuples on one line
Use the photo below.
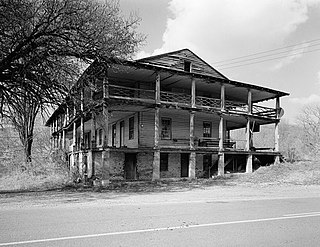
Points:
[(106, 151), (248, 135), (192, 159), (221, 133), (249, 163), (249, 101), (221, 153), (249, 132), (276, 131), (221, 164), (193, 93), (156, 155), (158, 89), (222, 97)]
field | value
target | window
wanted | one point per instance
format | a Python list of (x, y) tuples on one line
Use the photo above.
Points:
[(164, 160), (187, 66), (114, 135), (206, 129), (100, 137), (166, 129), (131, 128), (87, 137)]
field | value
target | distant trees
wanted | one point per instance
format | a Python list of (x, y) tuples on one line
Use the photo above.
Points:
[(44, 45), (309, 120)]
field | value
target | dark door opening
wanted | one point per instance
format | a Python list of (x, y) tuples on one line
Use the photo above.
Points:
[(130, 166), (184, 165), (121, 133)]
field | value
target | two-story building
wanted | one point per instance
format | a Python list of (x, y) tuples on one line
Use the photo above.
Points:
[(164, 116)]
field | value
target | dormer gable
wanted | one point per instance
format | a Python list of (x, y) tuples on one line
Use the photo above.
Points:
[(183, 60)]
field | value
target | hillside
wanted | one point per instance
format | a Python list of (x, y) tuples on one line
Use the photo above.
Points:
[(299, 173)]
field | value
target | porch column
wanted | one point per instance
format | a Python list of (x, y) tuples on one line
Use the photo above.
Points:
[(249, 135), (74, 140), (156, 155), (91, 168), (276, 131), (81, 153), (192, 159), (106, 151), (222, 97), (64, 133), (221, 149)]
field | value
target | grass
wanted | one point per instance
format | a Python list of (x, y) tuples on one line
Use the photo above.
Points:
[(34, 176), (298, 173), (46, 176)]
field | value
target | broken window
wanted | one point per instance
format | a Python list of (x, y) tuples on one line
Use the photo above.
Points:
[(187, 66), (131, 128), (206, 129), (166, 129)]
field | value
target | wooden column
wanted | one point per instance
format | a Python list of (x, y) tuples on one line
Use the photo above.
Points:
[(106, 151), (249, 163), (222, 97), (249, 134), (193, 93), (82, 119), (192, 158), (221, 153), (156, 154), (276, 131), (158, 92)]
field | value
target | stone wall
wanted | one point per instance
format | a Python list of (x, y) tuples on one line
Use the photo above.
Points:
[(144, 166)]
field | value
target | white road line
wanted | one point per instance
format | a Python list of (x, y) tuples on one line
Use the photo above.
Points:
[(312, 213), (317, 214)]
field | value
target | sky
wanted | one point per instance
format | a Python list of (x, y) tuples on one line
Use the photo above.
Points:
[(284, 35)]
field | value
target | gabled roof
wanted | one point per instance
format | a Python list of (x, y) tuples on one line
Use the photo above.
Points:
[(175, 60)]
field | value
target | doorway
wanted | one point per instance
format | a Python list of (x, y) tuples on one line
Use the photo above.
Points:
[(121, 133), (130, 166), (184, 165)]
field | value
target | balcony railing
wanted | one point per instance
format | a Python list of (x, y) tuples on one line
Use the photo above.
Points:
[(185, 99), (175, 98)]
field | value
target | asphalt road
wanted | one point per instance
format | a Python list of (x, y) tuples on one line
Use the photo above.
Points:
[(268, 222)]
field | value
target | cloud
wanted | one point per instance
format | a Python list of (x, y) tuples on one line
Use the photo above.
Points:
[(218, 30), (311, 99)]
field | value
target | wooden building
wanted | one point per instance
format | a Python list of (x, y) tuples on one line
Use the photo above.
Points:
[(164, 116)]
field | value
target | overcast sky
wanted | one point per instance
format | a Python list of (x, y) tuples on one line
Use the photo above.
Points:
[(219, 30)]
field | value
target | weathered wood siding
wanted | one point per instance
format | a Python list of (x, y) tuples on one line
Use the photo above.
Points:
[(180, 121), (176, 60)]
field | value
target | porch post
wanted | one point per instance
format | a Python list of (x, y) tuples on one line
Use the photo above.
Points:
[(249, 135), (74, 140), (222, 97), (276, 131), (221, 149), (192, 158), (81, 153), (156, 154), (106, 151)]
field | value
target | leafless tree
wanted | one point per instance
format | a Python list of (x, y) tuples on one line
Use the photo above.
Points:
[(44, 45), (309, 120)]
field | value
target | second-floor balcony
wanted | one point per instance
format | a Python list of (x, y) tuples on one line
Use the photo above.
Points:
[(182, 99)]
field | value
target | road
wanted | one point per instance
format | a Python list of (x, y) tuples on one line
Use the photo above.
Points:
[(206, 222)]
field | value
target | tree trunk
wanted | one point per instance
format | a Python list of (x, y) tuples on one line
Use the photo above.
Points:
[(27, 148)]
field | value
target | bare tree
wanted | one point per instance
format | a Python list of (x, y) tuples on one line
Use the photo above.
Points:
[(309, 120), (44, 45)]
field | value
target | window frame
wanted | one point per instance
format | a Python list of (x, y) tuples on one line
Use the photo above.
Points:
[(204, 133), (131, 128), (169, 131)]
